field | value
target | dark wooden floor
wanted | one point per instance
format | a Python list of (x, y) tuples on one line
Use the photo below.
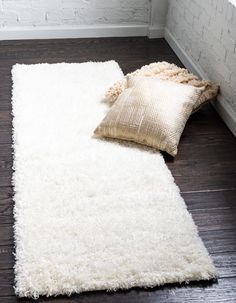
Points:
[(205, 170)]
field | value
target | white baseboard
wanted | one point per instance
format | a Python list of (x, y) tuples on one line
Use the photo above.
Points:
[(83, 31), (226, 113), (155, 32), (88, 31), (221, 105)]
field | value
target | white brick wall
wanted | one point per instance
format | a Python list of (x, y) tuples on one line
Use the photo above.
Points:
[(206, 30), (72, 12)]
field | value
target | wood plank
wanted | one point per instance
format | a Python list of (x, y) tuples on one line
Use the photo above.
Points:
[(5, 152), (6, 257), (194, 175), (5, 178), (5, 119), (215, 219), (6, 235), (219, 241), (6, 283), (222, 199), (225, 264)]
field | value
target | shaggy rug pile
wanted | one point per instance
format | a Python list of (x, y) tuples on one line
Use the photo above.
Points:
[(91, 214)]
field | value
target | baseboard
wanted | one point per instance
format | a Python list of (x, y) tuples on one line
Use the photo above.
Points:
[(88, 31), (155, 32), (226, 113), (221, 105)]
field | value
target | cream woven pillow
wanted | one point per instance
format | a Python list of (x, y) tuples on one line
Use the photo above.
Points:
[(166, 71), (151, 112)]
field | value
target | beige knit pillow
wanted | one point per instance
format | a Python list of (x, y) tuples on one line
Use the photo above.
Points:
[(166, 71), (151, 112)]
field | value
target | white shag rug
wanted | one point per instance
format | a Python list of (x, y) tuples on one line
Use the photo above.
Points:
[(91, 214)]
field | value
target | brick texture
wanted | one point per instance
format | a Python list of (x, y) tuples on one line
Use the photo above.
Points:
[(206, 29), (72, 12)]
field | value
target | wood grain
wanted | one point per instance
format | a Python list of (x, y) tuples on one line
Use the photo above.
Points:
[(204, 169)]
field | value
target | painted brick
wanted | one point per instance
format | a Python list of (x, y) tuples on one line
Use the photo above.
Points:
[(29, 17), (10, 5), (105, 4), (228, 42), (232, 31), (231, 61), (207, 33), (45, 4), (194, 8), (74, 3), (197, 26), (73, 12), (134, 3), (188, 16), (119, 15), (229, 13), (140, 16), (205, 4), (68, 15), (214, 44), (216, 27), (91, 15), (233, 81), (8, 18), (220, 6), (53, 17), (204, 18)]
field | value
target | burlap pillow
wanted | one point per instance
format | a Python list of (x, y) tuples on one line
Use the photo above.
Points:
[(166, 71), (151, 112)]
